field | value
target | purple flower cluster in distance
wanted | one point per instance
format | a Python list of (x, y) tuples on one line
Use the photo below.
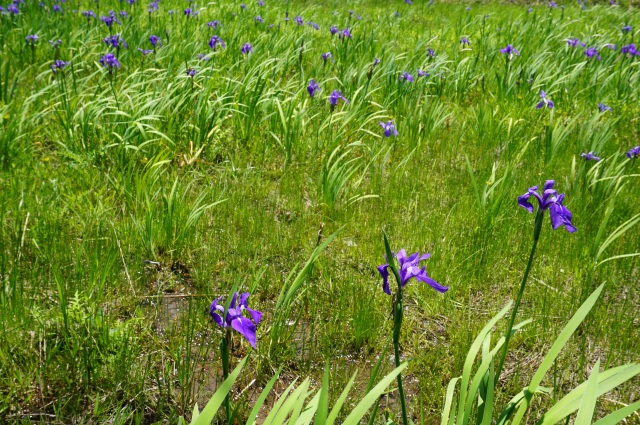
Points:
[(409, 269), (550, 200), (235, 318)]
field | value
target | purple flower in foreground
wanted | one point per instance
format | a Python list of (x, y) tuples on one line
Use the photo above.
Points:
[(550, 200), (603, 108), (115, 41), (58, 65), (634, 152), (590, 156), (333, 30), (630, 49), (31, 39), (345, 33), (234, 317), (406, 77), (13, 9), (109, 20), (544, 102), (592, 52), (510, 50), (389, 128), (155, 40), (214, 41), (313, 87), (336, 95), (409, 269), (326, 56), (189, 12), (465, 41), (109, 61), (298, 20), (246, 48), (574, 42)]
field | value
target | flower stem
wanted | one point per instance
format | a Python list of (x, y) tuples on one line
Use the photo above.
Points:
[(397, 326), (507, 336), (225, 344)]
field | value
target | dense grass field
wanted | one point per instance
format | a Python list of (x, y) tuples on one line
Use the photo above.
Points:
[(133, 196)]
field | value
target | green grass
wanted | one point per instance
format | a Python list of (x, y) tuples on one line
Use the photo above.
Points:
[(129, 201)]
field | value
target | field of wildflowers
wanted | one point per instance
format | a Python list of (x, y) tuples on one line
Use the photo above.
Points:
[(218, 203)]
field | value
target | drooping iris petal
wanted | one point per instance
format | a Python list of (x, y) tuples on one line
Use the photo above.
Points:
[(246, 329), (384, 272)]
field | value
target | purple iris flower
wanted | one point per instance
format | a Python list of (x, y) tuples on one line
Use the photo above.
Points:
[(298, 20), (313, 25), (627, 28), (155, 40), (336, 95), (345, 33), (409, 269), (243, 6), (544, 102), (215, 41), (213, 24), (88, 14), (260, 3), (333, 30), (13, 9), (550, 200), (422, 73), (189, 12), (553, 4), (115, 41), (603, 108), (465, 41), (144, 52), (153, 7), (109, 61), (124, 14), (630, 49), (191, 72), (55, 43), (375, 61), (258, 19), (108, 20), (389, 128), (234, 317), (592, 52), (406, 77), (326, 56), (31, 39), (634, 153), (530, 10), (590, 156), (58, 65), (57, 8), (408, 1), (203, 57), (610, 46), (510, 50), (246, 48), (431, 53), (313, 87)]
